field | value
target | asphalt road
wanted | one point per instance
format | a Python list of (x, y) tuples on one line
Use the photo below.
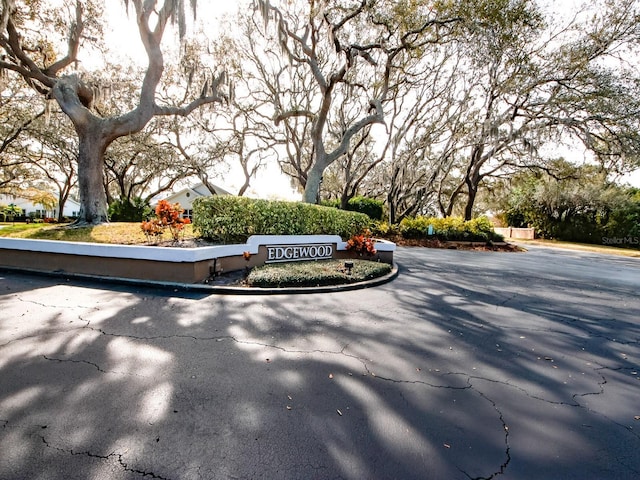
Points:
[(470, 365)]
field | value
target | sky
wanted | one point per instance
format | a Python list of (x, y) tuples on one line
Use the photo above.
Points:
[(270, 182)]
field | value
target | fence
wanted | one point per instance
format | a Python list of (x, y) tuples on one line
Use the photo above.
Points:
[(521, 233)]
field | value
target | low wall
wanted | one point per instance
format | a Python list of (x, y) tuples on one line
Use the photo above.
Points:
[(172, 264), (511, 232)]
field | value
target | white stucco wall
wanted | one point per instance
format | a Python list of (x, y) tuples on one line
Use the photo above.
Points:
[(71, 208)]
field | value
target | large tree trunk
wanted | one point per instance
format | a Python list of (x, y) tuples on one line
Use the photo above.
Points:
[(344, 200), (312, 188), (93, 198), (94, 135), (62, 200), (472, 181), (471, 199), (322, 159)]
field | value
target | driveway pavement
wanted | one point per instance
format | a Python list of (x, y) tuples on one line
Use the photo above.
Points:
[(470, 365)]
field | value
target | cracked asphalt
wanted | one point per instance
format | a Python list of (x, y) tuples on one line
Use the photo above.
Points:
[(470, 365)]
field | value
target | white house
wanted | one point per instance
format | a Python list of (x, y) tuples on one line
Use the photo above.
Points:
[(186, 196), (71, 207)]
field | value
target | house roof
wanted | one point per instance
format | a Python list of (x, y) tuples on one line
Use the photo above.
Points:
[(202, 189), (198, 190)]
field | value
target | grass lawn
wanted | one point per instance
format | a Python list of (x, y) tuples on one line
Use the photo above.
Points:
[(585, 247), (121, 233)]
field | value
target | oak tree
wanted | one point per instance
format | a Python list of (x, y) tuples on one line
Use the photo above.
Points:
[(348, 51), (31, 53)]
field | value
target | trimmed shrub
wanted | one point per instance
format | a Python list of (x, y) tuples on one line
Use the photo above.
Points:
[(230, 219), (449, 229), (333, 203), (371, 207), (121, 210)]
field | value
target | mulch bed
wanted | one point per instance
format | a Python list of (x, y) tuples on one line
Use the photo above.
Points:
[(478, 246)]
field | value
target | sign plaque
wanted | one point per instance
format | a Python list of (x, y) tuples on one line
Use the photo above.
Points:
[(298, 253)]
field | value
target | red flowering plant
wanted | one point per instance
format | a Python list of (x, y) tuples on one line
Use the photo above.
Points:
[(362, 244), (152, 230), (168, 216)]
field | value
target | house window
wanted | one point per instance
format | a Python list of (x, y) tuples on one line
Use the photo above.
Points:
[(188, 214)]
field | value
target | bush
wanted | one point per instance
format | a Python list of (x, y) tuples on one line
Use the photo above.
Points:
[(362, 244), (317, 273), (333, 203), (384, 229), (230, 219), (169, 217), (611, 212), (371, 207), (577, 204), (122, 210), (449, 229)]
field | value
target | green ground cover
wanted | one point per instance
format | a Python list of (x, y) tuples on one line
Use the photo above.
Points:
[(316, 273)]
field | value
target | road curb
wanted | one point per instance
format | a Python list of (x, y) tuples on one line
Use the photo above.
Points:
[(213, 289)]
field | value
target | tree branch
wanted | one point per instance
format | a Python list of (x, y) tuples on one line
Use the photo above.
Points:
[(24, 64), (73, 44), (378, 117), (18, 131), (293, 113)]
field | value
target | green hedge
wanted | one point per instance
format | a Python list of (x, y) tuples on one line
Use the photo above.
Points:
[(451, 228), (612, 212), (369, 206), (230, 219)]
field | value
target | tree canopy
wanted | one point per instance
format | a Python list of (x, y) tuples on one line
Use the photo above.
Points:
[(423, 105)]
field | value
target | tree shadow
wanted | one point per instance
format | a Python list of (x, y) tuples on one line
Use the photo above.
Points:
[(454, 370)]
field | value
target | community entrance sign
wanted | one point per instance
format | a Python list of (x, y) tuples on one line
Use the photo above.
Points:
[(183, 265)]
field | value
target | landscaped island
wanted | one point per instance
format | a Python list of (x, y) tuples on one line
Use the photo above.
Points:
[(226, 243), (229, 234)]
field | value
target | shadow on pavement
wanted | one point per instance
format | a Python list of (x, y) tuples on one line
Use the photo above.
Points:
[(469, 365)]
